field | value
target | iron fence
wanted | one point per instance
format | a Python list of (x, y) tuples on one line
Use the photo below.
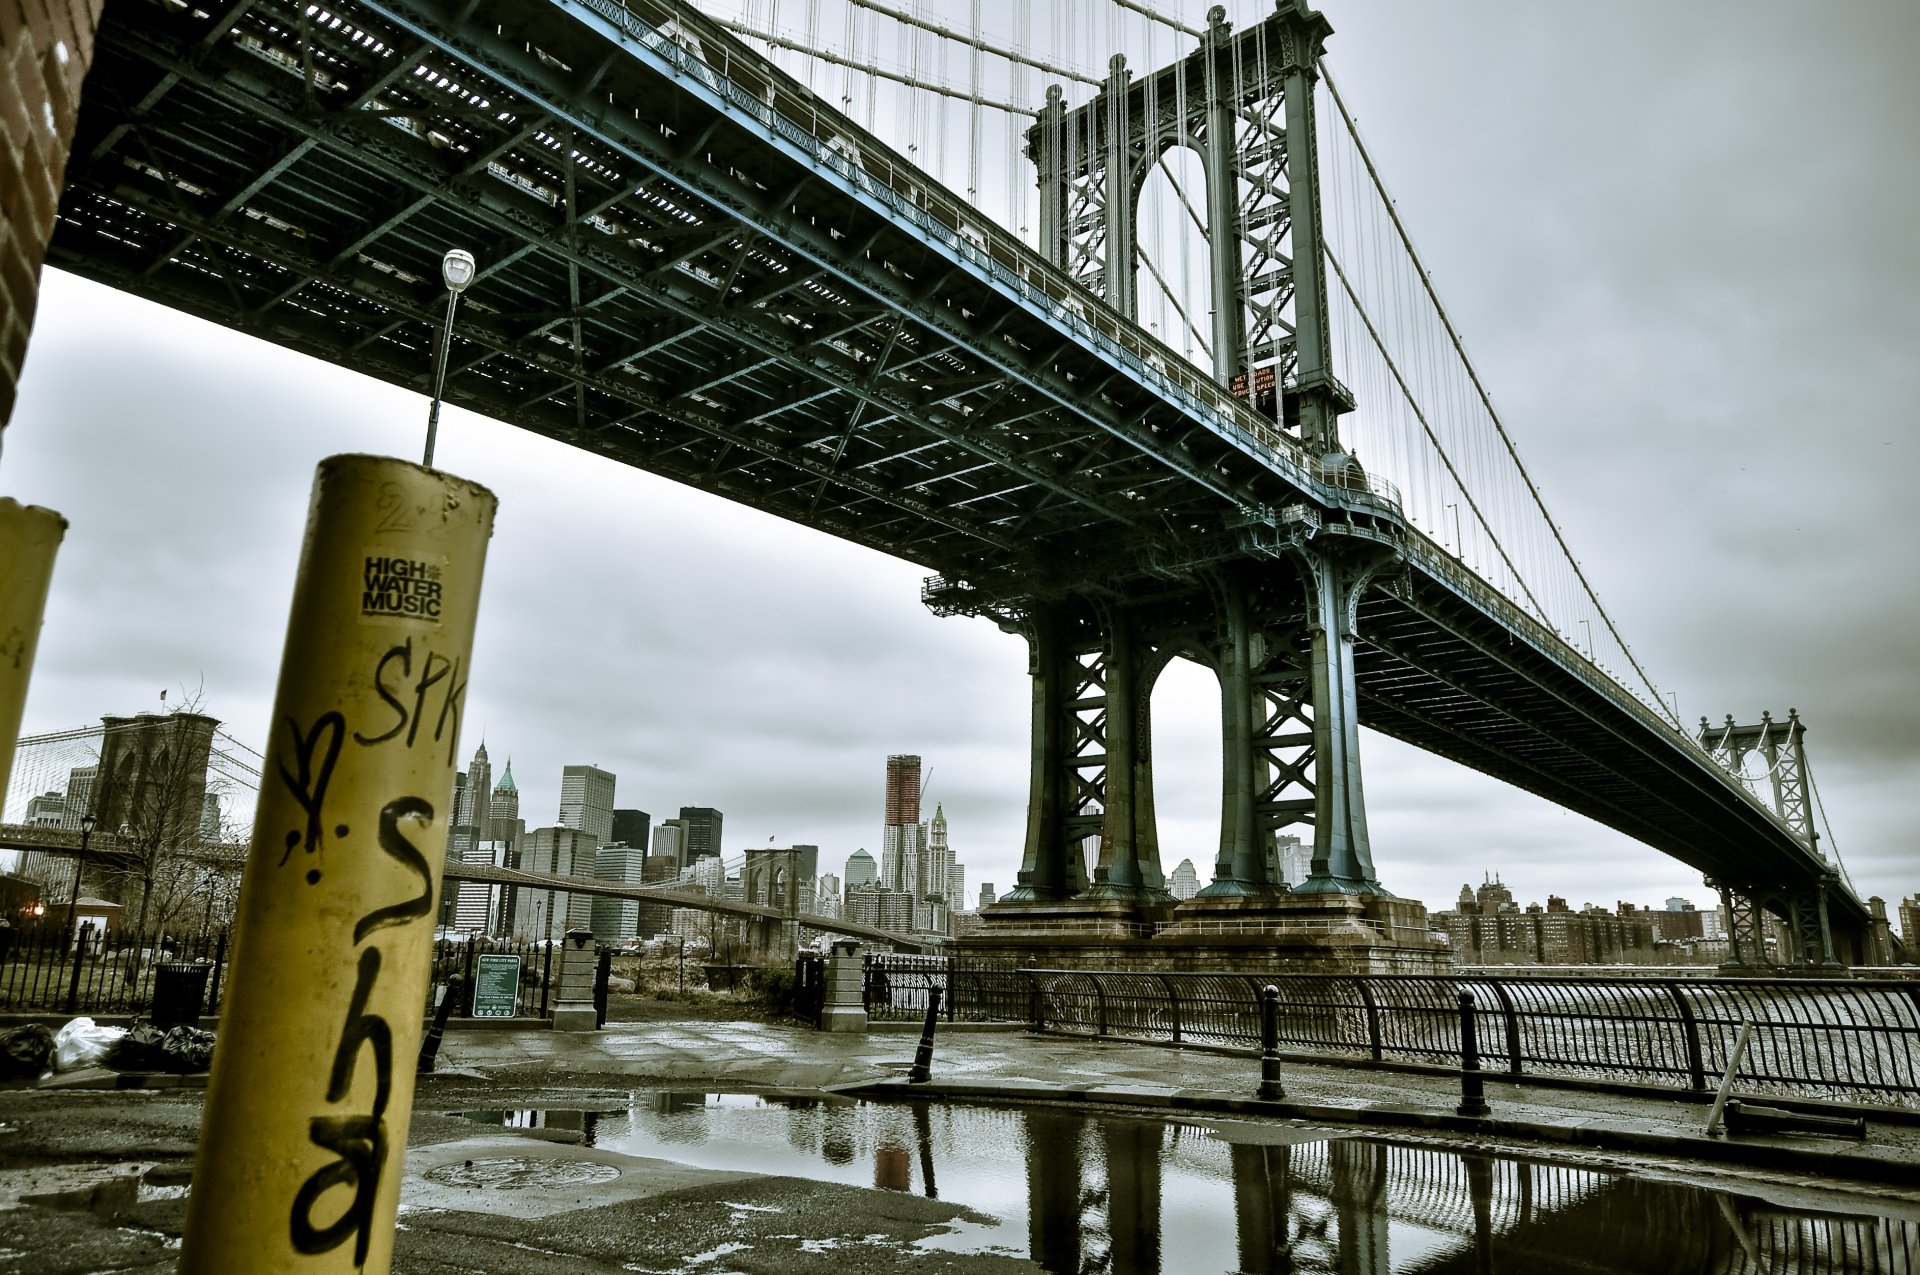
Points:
[(1851, 1040), (539, 970), (51, 971), (895, 988)]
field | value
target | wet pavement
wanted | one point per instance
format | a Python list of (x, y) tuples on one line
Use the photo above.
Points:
[(534, 1151)]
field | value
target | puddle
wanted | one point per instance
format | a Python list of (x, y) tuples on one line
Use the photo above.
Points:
[(521, 1173), (107, 1190), (1075, 1192)]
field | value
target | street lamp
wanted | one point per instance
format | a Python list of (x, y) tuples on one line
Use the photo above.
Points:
[(73, 897), (456, 271)]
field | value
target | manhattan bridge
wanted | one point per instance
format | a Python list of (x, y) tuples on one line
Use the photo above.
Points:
[(1103, 317)]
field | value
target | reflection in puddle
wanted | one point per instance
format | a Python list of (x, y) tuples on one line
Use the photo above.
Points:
[(1083, 1193)]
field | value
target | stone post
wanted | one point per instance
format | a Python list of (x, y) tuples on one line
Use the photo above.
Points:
[(843, 1010), (573, 1009)]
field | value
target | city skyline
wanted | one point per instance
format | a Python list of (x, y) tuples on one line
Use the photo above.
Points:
[(1633, 348)]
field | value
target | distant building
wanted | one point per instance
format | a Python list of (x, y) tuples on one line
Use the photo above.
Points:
[(635, 827), (703, 826), (477, 904), (861, 870), (503, 811), (546, 913), (1488, 928), (47, 810), (878, 906), (826, 895), (473, 799), (669, 847), (1183, 882), (617, 920), (806, 862), (1910, 928), (902, 840), (80, 783), (1292, 859), (957, 887), (586, 801), (987, 896)]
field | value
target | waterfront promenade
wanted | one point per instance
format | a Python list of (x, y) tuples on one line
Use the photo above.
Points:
[(95, 1175)]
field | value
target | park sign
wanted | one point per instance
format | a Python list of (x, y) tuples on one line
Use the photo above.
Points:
[(496, 986)]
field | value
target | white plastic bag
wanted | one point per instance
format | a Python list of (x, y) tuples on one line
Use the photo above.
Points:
[(81, 1043)]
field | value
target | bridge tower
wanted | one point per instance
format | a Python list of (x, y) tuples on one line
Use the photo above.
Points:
[(1778, 750), (1277, 625)]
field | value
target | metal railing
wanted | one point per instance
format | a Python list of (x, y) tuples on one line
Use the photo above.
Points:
[(46, 970), (1854, 1041), (748, 83)]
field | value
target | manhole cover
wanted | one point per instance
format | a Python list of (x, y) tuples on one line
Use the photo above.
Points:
[(518, 1173)]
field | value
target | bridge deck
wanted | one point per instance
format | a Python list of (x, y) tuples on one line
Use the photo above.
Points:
[(692, 265)]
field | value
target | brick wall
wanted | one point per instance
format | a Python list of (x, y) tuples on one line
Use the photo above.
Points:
[(45, 47)]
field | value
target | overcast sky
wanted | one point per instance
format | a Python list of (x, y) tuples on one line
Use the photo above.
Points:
[(1679, 240)]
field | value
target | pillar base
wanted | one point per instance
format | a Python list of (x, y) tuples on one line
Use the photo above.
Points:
[(575, 1018), (841, 1018), (1134, 915), (1334, 934)]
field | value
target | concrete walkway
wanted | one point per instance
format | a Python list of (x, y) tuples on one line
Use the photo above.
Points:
[(1002, 1065)]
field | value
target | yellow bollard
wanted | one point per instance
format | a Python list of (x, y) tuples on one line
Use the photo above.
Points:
[(298, 1167), (29, 537)]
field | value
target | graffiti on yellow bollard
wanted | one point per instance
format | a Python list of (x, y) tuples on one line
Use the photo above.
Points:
[(298, 1165)]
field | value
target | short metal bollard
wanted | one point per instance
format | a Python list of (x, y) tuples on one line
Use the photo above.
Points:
[(1473, 1089), (923, 1057), (1270, 1089), (430, 1047)]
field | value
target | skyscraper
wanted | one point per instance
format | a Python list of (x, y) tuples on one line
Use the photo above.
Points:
[(504, 809), (703, 833), (549, 914), (900, 843), (635, 827), (586, 801), (861, 870), (1184, 881), (937, 874), (617, 920), (472, 808)]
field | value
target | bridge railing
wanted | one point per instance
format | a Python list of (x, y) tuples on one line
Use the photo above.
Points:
[(1848, 1040), (751, 84), (1438, 562)]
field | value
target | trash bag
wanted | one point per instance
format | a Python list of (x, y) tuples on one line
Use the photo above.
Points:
[(139, 1049), (83, 1043), (186, 1049), (25, 1052)]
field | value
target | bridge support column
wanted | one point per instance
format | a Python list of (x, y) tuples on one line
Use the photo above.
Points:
[(1746, 930), (1129, 866), (1809, 927), (1254, 725), (1069, 707), (1342, 852)]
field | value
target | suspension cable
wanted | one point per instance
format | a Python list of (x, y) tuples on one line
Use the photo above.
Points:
[(870, 68), (1486, 401), (1159, 17), (1140, 254), (975, 42), (1431, 436)]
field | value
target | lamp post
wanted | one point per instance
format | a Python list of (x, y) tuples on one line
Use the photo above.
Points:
[(73, 896), (1459, 541), (457, 269)]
